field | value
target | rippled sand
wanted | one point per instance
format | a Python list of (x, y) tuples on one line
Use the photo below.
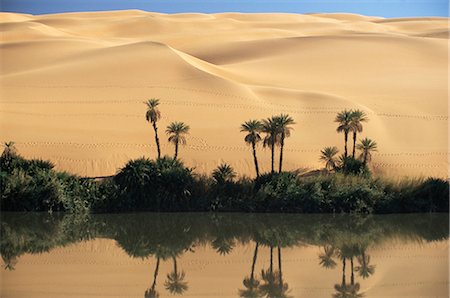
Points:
[(72, 86)]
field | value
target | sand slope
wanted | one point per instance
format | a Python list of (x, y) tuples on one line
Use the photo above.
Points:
[(73, 86)]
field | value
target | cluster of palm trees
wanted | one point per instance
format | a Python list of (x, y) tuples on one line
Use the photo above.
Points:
[(276, 130), (176, 131), (349, 121), (272, 132)]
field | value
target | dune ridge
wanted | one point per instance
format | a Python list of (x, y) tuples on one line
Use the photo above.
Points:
[(73, 85)]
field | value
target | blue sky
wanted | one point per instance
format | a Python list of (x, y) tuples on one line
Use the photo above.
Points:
[(384, 8)]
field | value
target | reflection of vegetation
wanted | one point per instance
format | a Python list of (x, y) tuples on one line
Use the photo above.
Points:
[(168, 236), (345, 240)]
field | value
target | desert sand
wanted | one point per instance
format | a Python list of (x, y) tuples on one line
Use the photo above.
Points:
[(73, 86)]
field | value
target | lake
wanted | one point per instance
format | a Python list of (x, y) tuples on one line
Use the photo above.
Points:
[(224, 255)]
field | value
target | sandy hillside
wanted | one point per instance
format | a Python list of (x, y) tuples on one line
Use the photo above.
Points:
[(73, 86)]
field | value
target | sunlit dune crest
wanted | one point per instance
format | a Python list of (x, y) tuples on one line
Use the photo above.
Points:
[(73, 86)]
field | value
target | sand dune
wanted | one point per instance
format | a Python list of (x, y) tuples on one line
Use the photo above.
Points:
[(73, 86)]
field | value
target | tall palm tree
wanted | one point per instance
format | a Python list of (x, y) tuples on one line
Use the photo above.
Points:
[(270, 128), (175, 283), (177, 132), (151, 292), (153, 115), (357, 117), (283, 123), (224, 173), (344, 119), (366, 146), (253, 128), (328, 156)]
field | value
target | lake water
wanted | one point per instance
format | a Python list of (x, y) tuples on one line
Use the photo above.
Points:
[(224, 255)]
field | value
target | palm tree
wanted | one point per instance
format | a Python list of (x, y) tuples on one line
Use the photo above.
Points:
[(344, 119), (357, 117), (270, 128), (10, 150), (153, 115), (176, 132), (328, 155), (175, 283), (224, 173), (366, 146), (283, 123), (250, 283), (253, 128), (151, 292)]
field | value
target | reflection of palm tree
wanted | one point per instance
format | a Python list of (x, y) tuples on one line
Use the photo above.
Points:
[(364, 269), (10, 263), (326, 258), (250, 283), (151, 292), (175, 283), (223, 245), (345, 290), (273, 286)]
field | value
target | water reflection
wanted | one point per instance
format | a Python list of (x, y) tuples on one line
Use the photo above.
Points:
[(344, 243)]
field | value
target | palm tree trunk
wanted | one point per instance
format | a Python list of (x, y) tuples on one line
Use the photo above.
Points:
[(255, 160), (157, 139), (255, 255), (343, 271), (272, 148), (175, 268), (155, 275), (352, 278), (271, 259), (176, 150), (345, 145), (281, 153), (279, 267), (354, 144)]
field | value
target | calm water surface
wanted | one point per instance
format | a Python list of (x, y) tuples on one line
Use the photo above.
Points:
[(224, 255)]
